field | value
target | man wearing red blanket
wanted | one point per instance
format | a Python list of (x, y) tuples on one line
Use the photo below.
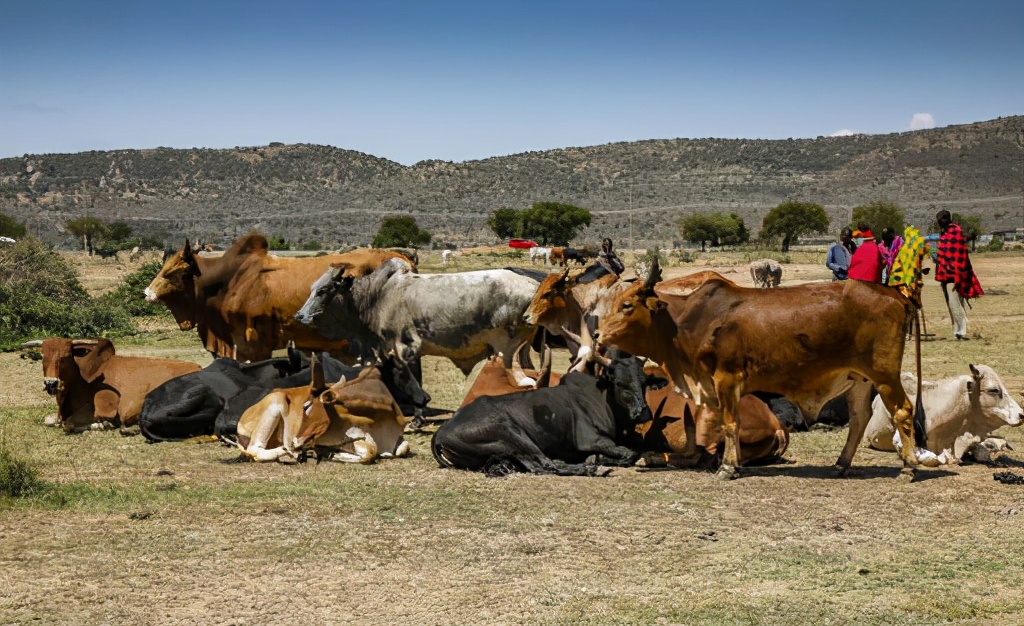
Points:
[(953, 267)]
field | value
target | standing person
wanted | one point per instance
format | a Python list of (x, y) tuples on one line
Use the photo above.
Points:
[(891, 244), (838, 257), (953, 267), (866, 262), (608, 259)]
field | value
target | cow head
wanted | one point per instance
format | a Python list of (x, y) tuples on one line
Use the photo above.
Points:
[(622, 376), (174, 285), (988, 393), (638, 321), (62, 361), (321, 293), (550, 303)]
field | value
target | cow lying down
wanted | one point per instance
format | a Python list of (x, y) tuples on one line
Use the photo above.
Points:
[(213, 400), (763, 438), (960, 413), (353, 421), (96, 388), (566, 430)]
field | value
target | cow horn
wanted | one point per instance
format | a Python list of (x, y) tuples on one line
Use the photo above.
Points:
[(518, 374), (35, 343), (544, 378), (654, 275)]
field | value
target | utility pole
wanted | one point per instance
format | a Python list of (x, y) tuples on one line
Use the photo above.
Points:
[(631, 215)]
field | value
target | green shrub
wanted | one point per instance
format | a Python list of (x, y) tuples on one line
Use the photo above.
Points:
[(993, 246), (41, 296), (18, 478), (130, 296)]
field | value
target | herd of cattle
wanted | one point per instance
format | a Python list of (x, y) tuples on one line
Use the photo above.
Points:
[(738, 368)]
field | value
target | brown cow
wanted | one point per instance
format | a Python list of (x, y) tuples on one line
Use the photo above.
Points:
[(564, 302), (762, 436), (352, 421), (96, 388), (495, 379), (558, 256), (809, 343), (243, 302)]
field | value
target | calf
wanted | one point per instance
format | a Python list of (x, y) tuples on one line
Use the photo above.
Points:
[(96, 388), (564, 430), (353, 421), (449, 256), (960, 412), (678, 421), (766, 273)]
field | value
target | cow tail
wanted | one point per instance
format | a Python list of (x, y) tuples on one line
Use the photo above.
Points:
[(920, 434)]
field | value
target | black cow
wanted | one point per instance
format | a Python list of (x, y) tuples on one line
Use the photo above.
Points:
[(106, 253), (213, 400), (566, 430)]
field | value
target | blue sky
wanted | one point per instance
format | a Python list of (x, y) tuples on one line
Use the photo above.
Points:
[(467, 80)]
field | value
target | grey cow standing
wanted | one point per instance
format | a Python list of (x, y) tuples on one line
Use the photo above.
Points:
[(766, 273)]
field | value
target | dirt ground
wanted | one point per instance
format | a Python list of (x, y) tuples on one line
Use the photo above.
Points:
[(178, 533)]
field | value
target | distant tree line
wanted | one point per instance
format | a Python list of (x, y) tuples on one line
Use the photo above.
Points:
[(548, 223)]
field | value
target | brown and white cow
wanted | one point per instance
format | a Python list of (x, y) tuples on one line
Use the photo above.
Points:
[(354, 421), (809, 343), (98, 389), (243, 302)]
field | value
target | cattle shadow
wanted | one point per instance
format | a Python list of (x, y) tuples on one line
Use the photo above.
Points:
[(816, 472)]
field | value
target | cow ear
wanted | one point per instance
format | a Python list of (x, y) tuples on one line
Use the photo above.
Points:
[(328, 397), (975, 372), (91, 366)]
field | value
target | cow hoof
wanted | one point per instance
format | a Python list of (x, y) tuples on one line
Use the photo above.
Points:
[(727, 472), (907, 474), (842, 471)]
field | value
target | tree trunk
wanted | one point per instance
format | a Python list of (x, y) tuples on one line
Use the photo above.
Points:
[(785, 243)]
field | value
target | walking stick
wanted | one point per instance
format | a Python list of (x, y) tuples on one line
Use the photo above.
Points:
[(920, 435)]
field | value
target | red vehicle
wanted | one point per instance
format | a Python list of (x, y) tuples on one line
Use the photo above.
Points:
[(522, 244)]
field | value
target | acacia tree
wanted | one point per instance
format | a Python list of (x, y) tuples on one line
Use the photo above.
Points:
[(88, 228), (718, 229), (554, 223), (400, 232), (879, 215), (792, 219), (506, 223)]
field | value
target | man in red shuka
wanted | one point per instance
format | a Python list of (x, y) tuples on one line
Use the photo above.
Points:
[(953, 267)]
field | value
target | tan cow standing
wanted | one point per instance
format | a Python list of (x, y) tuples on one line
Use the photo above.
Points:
[(243, 302), (809, 343)]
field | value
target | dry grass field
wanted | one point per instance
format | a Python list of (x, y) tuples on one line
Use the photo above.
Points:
[(178, 533)]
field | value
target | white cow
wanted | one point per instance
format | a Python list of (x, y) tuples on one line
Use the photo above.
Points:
[(766, 273), (464, 316), (450, 256), (543, 254), (960, 413)]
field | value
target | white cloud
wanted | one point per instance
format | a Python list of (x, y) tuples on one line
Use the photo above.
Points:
[(920, 121), (846, 132)]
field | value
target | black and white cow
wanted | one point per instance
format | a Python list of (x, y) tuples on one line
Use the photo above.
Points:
[(464, 316), (567, 430), (212, 401)]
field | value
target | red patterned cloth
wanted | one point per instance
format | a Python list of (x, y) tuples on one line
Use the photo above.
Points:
[(954, 266)]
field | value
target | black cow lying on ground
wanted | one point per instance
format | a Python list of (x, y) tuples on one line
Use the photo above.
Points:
[(212, 401), (566, 430)]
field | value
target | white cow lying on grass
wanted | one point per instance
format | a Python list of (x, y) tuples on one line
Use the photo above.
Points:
[(960, 413)]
